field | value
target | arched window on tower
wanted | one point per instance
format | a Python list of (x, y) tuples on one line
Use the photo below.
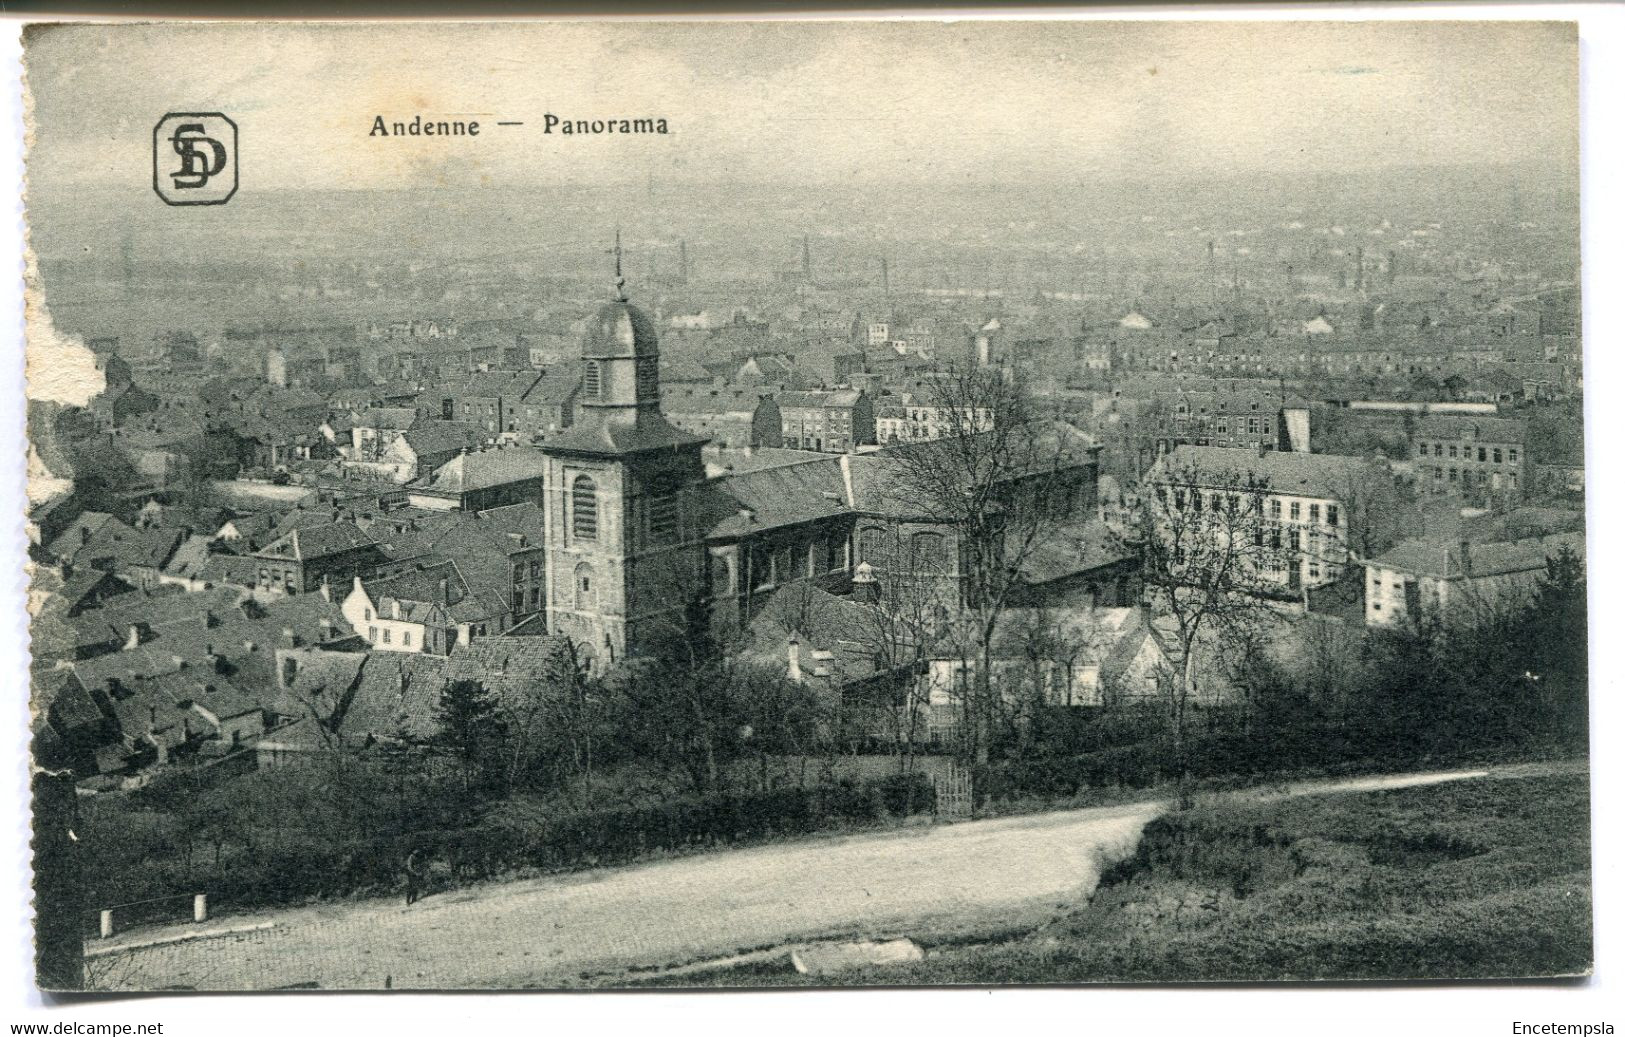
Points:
[(591, 381), (583, 509)]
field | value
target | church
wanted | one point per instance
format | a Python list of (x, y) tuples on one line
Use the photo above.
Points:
[(639, 540)]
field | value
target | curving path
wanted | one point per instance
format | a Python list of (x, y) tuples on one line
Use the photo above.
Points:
[(1006, 872)]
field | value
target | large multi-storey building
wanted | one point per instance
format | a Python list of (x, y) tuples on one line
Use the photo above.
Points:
[(1288, 512), (831, 420), (1470, 454)]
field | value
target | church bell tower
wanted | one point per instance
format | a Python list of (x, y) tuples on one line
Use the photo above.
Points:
[(625, 544)]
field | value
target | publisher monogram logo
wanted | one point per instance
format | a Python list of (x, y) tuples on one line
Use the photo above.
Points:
[(194, 158)]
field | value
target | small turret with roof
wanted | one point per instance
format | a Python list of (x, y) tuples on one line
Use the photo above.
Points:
[(619, 403)]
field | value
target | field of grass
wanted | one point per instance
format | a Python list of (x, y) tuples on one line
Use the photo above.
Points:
[(1470, 879)]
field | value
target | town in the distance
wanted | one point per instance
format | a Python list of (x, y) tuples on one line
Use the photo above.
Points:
[(358, 561)]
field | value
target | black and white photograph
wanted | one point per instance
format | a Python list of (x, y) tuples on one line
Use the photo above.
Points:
[(703, 505)]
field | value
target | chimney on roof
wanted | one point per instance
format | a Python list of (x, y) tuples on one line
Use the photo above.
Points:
[(326, 591), (84, 535), (327, 629), (132, 637), (445, 590), (795, 658), (865, 587)]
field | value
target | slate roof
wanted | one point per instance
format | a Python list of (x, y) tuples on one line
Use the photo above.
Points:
[(126, 667), (555, 387), (190, 558), (61, 694), (679, 370), (740, 404), (850, 631), (492, 384), (782, 496), (418, 592), (168, 704), (592, 436), (1106, 637), (484, 469), (619, 329), (71, 540), (1073, 549), (510, 666), (253, 527), (199, 520), (1444, 558), (819, 399), (79, 586), (150, 547), (1471, 426), (399, 692), (436, 437), (741, 462), (397, 418), (321, 541), (882, 485), (1279, 471), (322, 683)]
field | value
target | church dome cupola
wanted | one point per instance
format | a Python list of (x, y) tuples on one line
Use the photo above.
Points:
[(620, 352), (619, 330)]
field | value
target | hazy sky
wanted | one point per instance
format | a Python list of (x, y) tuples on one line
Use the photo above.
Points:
[(824, 102)]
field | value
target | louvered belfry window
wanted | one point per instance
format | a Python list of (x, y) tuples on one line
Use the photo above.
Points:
[(665, 515), (583, 509), (648, 377)]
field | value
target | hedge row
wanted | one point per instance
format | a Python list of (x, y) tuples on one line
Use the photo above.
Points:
[(300, 866)]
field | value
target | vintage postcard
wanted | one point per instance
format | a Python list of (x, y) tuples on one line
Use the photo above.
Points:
[(842, 503)]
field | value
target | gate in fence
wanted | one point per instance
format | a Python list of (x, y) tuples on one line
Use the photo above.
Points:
[(954, 793)]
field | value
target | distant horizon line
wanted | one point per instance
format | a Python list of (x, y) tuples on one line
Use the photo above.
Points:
[(641, 183)]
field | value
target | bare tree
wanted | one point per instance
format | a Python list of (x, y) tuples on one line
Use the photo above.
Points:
[(1001, 477), (556, 724), (902, 620), (1371, 512), (1047, 651), (1210, 549)]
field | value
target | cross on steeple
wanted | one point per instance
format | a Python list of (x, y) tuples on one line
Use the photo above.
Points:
[(620, 278)]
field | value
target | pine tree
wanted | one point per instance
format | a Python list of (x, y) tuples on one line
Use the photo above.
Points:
[(472, 730)]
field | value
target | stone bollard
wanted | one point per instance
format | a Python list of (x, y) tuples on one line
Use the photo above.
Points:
[(107, 924), (200, 908)]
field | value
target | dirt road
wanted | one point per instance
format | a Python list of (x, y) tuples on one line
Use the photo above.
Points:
[(1006, 872)]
